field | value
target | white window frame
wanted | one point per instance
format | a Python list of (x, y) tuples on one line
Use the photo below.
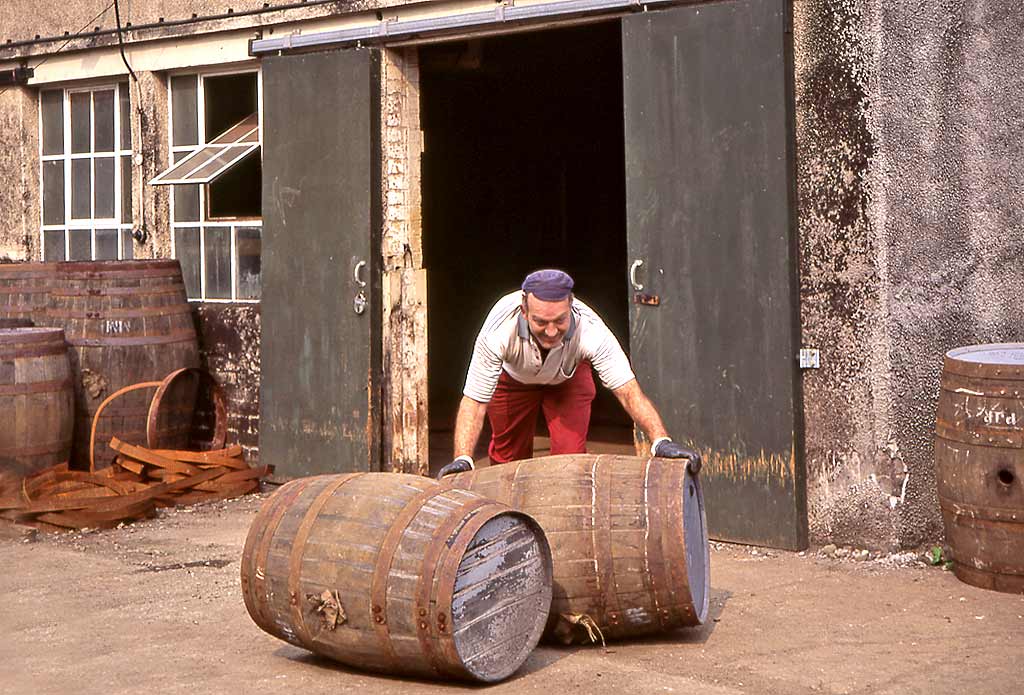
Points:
[(90, 223), (203, 223)]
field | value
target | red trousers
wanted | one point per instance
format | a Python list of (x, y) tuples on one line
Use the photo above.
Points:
[(513, 410)]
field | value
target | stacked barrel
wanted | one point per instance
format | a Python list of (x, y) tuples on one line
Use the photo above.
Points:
[(109, 324)]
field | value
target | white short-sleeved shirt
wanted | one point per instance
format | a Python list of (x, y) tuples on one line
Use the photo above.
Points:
[(505, 343)]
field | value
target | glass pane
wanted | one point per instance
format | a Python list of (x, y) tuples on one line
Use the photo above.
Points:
[(126, 189), (104, 188), (81, 245), (52, 105), (103, 113), (53, 192), (81, 189), (80, 122), (53, 245), (185, 110), (186, 198), (186, 250), (127, 250), (247, 245), (217, 255), (106, 244), (126, 115)]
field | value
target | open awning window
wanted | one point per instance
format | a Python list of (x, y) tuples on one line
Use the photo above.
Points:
[(216, 157)]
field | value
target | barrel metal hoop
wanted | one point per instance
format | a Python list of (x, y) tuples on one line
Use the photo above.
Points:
[(261, 550), (43, 350), (966, 514), (166, 339), (173, 288), (382, 569), (448, 572), (654, 555), (981, 436), (601, 533), (298, 549), (104, 313), (55, 386), (426, 593)]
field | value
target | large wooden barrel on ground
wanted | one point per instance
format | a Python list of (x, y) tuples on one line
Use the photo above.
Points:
[(628, 539), (979, 463), (36, 400), (126, 322), (25, 290), (397, 573)]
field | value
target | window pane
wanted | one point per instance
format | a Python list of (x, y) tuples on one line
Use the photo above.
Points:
[(81, 188), (185, 110), (53, 192), (53, 121), (81, 245), (247, 244), (106, 244), (104, 188), (186, 198), (80, 122), (217, 255), (53, 245), (126, 189), (186, 250), (126, 115), (103, 112), (127, 250)]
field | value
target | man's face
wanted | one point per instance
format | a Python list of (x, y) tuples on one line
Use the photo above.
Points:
[(548, 321)]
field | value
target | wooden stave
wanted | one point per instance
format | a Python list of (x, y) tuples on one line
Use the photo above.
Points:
[(39, 411), (543, 489), (405, 640), (145, 302)]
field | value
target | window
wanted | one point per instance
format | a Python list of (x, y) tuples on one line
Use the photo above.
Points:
[(86, 173), (216, 181)]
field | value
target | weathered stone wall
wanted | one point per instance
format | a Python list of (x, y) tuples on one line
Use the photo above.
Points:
[(909, 122), (19, 171)]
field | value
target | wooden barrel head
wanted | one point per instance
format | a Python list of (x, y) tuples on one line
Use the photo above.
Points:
[(695, 533), (502, 596)]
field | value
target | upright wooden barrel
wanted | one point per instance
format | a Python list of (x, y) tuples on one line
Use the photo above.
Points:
[(126, 322), (399, 574), (36, 400), (979, 463), (628, 539), (25, 290)]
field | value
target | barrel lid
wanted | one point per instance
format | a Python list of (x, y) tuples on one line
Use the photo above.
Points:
[(1008, 354)]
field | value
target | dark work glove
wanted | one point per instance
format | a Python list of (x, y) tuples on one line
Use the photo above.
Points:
[(667, 449), (459, 465)]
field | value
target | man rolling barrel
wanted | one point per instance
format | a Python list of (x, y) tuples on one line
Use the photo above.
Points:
[(535, 353)]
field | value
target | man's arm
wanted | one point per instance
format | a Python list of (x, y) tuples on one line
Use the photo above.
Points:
[(468, 424), (639, 407)]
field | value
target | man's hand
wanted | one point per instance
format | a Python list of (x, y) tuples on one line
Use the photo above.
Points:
[(459, 465), (667, 449)]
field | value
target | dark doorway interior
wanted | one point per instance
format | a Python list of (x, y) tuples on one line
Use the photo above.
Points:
[(523, 168)]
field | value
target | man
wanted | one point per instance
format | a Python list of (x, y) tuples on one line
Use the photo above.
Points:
[(535, 353)]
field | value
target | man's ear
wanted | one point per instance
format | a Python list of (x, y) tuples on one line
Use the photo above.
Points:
[(526, 305)]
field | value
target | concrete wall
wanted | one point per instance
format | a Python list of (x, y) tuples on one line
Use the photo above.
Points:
[(911, 226)]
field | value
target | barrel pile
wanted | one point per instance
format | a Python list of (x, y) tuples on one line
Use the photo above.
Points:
[(405, 575)]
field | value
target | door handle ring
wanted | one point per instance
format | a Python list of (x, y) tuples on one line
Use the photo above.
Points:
[(632, 275), (355, 273)]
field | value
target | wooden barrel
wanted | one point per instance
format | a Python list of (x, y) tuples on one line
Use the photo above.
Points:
[(628, 539), (25, 290), (126, 322), (16, 323), (36, 400), (979, 463), (396, 573)]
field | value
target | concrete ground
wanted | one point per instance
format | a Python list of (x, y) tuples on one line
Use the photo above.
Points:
[(155, 607)]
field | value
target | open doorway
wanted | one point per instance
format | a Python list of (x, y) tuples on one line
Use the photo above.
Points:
[(523, 168)]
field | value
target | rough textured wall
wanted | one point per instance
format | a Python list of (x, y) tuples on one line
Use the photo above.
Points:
[(19, 169), (949, 122), (229, 342), (909, 123)]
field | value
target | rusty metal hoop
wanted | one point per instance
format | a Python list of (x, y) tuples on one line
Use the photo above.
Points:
[(220, 429)]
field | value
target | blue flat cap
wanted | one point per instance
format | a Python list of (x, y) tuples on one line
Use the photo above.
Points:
[(549, 285)]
